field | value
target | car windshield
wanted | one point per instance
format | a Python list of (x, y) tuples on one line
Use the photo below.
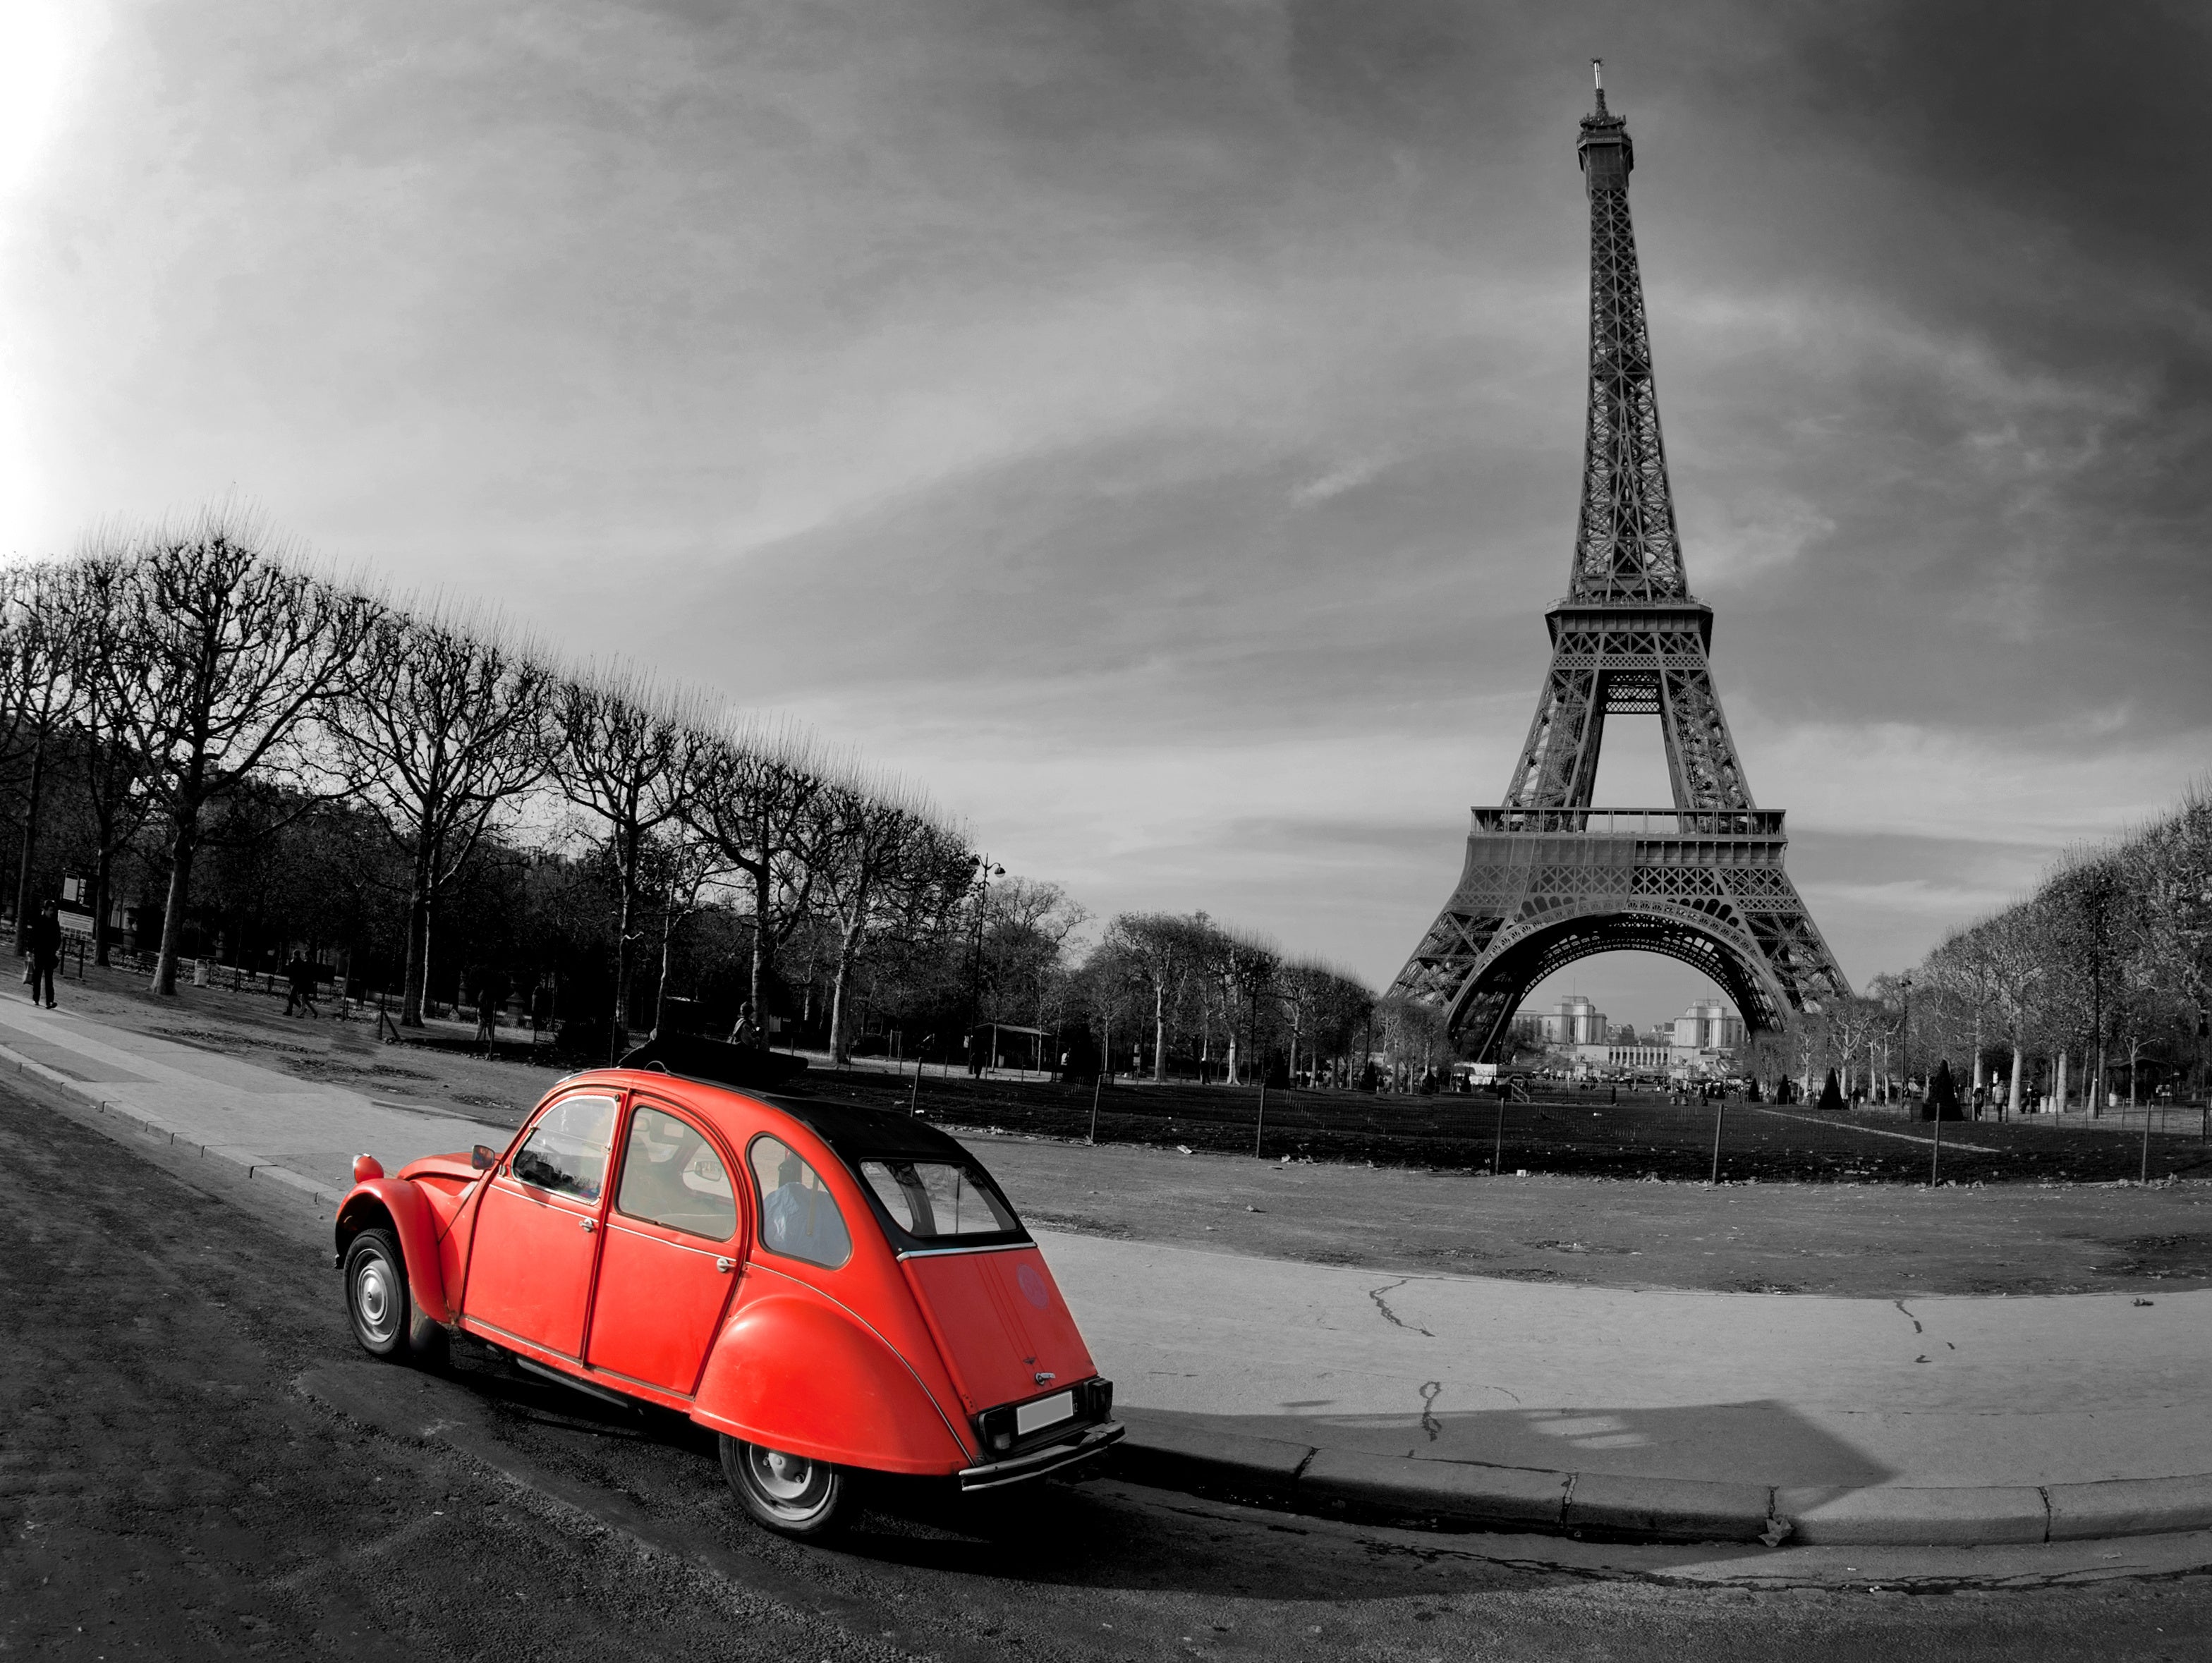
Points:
[(939, 1201)]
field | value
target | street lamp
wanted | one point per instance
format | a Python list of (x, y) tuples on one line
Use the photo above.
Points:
[(985, 872)]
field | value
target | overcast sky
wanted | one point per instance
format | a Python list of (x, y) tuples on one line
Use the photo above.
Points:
[(1155, 427)]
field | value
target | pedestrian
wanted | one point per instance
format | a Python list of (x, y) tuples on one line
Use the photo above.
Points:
[(487, 1024), (46, 945), (300, 974), (746, 1032)]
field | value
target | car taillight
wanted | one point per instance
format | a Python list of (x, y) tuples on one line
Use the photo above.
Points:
[(997, 1427)]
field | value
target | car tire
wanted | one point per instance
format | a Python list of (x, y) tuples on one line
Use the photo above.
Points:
[(790, 1495), (386, 1320)]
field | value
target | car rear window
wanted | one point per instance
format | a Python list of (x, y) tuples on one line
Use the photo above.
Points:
[(938, 1200)]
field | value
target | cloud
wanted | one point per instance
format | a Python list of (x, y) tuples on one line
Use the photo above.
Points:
[(1158, 429)]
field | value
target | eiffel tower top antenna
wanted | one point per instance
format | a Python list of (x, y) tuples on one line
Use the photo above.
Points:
[(1626, 549)]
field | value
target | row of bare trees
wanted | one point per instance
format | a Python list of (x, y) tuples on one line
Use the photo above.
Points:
[(2107, 966), (182, 668), (1223, 1000), (2104, 969), (200, 681)]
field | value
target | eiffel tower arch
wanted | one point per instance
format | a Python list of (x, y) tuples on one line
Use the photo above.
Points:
[(1550, 878)]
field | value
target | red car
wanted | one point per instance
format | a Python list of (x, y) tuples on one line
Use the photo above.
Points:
[(835, 1291)]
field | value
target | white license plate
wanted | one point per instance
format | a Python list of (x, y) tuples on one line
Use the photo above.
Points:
[(1043, 1413)]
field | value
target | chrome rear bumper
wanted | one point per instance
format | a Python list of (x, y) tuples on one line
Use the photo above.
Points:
[(1038, 1462)]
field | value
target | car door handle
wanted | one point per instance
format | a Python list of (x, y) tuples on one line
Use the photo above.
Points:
[(725, 1266), (586, 1224)]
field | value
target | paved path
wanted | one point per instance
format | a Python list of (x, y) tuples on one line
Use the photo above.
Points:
[(1834, 1396)]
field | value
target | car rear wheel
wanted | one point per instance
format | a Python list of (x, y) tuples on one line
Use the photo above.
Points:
[(384, 1319), (791, 1495)]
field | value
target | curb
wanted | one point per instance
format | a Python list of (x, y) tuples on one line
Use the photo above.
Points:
[(255, 1167), (1468, 1495)]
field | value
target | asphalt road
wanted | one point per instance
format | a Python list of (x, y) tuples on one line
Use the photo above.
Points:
[(197, 1463)]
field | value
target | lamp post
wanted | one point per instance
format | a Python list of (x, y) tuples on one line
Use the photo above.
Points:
[(985, 872)]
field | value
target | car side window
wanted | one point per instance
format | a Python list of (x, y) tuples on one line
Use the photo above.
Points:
[(799, 1216), (566, 1152), (671, 1175)]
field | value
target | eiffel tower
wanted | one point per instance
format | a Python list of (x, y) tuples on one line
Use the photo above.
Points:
[(1550, 879)]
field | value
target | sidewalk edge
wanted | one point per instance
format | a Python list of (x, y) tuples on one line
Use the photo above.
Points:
[(1467, 1495), (153, 1127)]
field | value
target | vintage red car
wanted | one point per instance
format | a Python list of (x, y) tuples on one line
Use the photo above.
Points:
[(834, 1290)]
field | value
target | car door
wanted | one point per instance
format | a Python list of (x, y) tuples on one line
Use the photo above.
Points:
[(672, 1248), (537, 1235)]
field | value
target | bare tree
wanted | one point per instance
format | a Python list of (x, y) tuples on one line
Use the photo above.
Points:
[(752, 792), (232, 648), (439, 723), (680, 871), (116, 786), (1241, 967), (38, 651), (881, 859), (1164, 949), (623, 752)]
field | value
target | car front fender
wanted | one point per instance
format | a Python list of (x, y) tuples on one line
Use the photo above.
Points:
[(796, 1372), (413, 1221)]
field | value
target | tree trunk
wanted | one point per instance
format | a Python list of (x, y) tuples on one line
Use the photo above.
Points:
[(618, 1039), (183, 843), (1160, 1032), (762, 888), (2019, 1057), (103, 875), (417, 975), (2058, 1083), (30, 843), (661, 990), (848, 949)]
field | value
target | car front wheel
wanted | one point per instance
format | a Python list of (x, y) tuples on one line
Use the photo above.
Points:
[(385, 1319), (791, 1495)]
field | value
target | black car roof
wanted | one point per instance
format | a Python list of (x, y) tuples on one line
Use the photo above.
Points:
[(857, 1132)]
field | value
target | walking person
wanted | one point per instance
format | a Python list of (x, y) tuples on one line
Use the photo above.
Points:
[(299, 977), (46, 945), (486, 1022)]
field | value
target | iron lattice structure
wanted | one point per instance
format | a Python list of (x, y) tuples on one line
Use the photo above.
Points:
[(1549, 878)]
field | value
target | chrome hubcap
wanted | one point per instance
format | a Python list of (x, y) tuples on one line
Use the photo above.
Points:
[(372, 1302), (787, 1480)]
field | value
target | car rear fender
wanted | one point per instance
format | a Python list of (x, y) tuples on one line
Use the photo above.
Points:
[(398, 1204), (797, 1372)]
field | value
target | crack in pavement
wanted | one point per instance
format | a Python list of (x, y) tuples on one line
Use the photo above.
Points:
[(1431, 1391), (1909, 1317), (1389, 1315)]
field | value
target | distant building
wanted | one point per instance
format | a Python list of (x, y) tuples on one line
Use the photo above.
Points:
[(1708, 1025), (1575, 1021)]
